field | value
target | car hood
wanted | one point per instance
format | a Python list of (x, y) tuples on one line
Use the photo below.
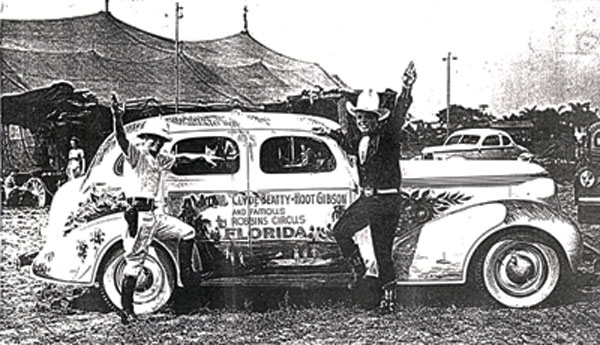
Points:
[(425, 169), (479, 180)]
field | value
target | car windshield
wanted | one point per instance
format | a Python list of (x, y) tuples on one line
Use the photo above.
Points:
[(462, 139), (453, 140)]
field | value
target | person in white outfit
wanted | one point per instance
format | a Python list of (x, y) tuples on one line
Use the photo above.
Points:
[(76, 164), (146, 162)]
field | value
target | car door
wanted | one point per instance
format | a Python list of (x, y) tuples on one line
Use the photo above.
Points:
[(206, 190), (509, 148), (490, 147), (302, 183)]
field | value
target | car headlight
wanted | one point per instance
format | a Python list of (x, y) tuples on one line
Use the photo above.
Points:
[(587, 178)]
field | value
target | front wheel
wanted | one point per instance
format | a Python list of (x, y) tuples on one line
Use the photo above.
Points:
[(154, 286), (519, 272)]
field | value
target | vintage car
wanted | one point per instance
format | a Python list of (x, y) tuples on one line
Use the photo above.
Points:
[(587, 188), (264, 216), (476, 143)]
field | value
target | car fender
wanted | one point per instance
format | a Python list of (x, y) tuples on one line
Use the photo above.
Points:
[(75, 256), (442, 249)]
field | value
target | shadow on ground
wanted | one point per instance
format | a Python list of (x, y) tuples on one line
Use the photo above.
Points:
[(264, 299), (585, 289)]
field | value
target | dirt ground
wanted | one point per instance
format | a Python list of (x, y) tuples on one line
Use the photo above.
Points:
[(33, 312)]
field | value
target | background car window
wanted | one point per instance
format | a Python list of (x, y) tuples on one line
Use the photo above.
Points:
[(505, 140), (292, 154), (209, 156), (453, 140), (491, 140), (469, 139)]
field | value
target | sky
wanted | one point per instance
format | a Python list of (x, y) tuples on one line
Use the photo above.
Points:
[(510, 54)]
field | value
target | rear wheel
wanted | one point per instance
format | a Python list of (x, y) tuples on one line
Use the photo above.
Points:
[(519, 271), (37, 187), (154, 286)]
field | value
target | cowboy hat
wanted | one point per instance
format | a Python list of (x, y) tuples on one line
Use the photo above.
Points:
[(368, 101), (156, 128)]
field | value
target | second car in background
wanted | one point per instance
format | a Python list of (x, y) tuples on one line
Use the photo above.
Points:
[(476, 143)]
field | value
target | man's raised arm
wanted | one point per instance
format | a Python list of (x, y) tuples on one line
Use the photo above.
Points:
[(404, 100), (117, 113)]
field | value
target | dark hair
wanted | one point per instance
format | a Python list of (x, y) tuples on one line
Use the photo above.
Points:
[(74, 138)]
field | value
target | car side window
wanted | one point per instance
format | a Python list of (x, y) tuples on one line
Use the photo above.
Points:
[(206, 156), (469, 139), (453, 140), (491, 140), (506, 141), (295, 154)]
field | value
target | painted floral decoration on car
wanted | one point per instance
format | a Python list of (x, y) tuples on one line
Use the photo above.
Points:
[(421, 206), (101, 202)]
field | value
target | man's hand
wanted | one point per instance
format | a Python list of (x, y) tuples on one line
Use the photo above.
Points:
[(117, 113), (115, 107), (320, 130), (410, 75)]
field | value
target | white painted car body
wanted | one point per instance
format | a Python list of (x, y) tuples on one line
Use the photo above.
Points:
[(282, 219)]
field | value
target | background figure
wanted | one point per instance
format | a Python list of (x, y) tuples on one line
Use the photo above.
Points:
[(308, 158), (76, 163)]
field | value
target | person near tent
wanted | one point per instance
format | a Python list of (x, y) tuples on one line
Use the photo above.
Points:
[(76, 163), (13, 194), (377, 148), (145, 221)]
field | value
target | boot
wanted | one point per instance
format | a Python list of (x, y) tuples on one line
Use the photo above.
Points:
[(388, 301), (127, 291), (357, 269), (368, 293), (188, 276)]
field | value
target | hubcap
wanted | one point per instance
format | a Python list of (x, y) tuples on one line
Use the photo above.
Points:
[(145, 280), (149, 283), (520, 269)]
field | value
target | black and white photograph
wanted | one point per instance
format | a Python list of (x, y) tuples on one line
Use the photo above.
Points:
[(300, 172)]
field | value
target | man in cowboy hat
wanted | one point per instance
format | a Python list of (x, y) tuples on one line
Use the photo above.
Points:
[(147, 162), (377, 148)]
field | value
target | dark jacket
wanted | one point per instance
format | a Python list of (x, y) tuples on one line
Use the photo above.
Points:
[(381, 168)]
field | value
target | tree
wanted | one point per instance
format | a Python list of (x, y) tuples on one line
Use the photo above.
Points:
[(578, 114), (461, 117)]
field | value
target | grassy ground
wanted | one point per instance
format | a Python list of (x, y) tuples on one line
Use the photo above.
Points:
[(34, 312)]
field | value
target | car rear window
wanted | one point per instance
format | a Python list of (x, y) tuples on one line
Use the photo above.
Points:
[(597, 139), (491, 140), (295, 154), (209, 156)]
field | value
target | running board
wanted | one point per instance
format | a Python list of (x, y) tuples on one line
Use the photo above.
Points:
[(301, 281)]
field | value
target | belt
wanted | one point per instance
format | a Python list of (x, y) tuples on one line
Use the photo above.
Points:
[(369, 191), (142, 204)]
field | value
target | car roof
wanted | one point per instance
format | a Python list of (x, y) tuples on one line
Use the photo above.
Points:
[(185, 122), (478, 131)]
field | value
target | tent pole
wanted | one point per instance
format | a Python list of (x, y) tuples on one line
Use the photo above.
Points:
[(178, 16)]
